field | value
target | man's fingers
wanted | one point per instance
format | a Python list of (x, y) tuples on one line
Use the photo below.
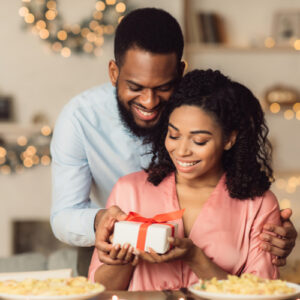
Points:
[(285, 214), (135, 261), (273, 250), (279, 262), (285, 244), (114, 251)]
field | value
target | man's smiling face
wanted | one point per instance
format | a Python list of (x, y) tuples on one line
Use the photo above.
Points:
[(144, 82)]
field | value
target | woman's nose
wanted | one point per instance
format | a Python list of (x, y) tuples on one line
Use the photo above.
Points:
[(183, 148)]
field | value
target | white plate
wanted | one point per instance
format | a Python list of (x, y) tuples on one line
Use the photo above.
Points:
[(219, 296), (62, 297)]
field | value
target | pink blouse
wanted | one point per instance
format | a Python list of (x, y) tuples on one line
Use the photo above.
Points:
[(226, 229)]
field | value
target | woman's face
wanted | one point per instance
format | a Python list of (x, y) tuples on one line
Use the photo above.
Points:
[(195, 143)]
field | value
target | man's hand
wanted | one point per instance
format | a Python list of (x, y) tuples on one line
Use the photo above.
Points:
[(103, 225), (283, 243), (182, 248)]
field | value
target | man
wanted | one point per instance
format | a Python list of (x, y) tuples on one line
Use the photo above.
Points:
[(98, 136)]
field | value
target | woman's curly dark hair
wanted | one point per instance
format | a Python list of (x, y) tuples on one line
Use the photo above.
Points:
[(234, 108)]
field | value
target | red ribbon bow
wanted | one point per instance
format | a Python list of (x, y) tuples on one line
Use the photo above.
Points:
[(158, 219)]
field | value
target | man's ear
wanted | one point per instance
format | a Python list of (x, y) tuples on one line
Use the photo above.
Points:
[(113, 72), (231, 140), (183, 67)]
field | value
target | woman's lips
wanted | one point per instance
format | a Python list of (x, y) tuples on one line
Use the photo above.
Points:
[(186, 166)]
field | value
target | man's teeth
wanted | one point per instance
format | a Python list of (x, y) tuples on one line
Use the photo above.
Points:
[(147, 114), (184, 164)]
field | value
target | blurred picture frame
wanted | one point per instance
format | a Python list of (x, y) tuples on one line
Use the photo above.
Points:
[(286, 27), (6, 108)]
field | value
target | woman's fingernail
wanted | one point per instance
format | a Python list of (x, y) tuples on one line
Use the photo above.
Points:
[(125, 246), (137, 252), (117, 247)]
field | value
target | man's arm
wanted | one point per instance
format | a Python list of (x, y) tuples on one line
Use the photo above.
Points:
[(72, 213), (282, 244)]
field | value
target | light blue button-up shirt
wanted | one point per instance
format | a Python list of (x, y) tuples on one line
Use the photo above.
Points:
[(91, 149)]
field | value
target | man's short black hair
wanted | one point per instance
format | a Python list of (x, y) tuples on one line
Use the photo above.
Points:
[(150, 29)]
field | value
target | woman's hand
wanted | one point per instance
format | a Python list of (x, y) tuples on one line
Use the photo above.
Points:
[(124, 254), (183, 249), (283, 243)]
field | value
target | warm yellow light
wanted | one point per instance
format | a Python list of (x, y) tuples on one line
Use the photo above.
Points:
[(35, 160), (45, 160), (298, 115), (275, 108), (27, 162), (5, 170), (288, 114), (109, 29), (293, 181), (27, 1), (269, 42), (120, 7), (100, 5), (120, 19), (91, 37), (296, 106), (31, 150), (65, 52), (62, 35), (99, 41), (51, 4), (93, 24), (76, 29), (88, 47), (98, 15), (110, 2), (99, 30), (285, 203), (23, 11), (46, 130), (50, 14), (297, 44), (40, 24), (29, 18), (44, 34), (3, 152), (22, 140), (56, 46), (280, 183), (84, 32), (290, 189)]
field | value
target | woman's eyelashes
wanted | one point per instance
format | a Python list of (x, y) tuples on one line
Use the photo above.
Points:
[(202, 143)]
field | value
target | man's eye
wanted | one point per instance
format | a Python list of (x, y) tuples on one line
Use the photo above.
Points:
[(135, 88), (165, 88)]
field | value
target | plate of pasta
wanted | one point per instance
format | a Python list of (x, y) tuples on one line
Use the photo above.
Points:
[(245, 287), (75, 288)]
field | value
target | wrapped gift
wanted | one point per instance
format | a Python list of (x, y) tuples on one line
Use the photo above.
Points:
[(144, 233)]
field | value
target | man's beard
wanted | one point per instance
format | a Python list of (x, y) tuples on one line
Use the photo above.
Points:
[(128, 121)]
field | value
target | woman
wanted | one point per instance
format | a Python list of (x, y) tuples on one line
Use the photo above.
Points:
[(213, 159)]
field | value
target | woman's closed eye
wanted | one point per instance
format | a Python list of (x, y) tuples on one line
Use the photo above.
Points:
[(200, 143)]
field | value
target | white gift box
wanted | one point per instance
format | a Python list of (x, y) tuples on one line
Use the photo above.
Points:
[(156, 238)]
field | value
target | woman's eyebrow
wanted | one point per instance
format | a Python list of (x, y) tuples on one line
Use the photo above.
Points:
[(193, 131)]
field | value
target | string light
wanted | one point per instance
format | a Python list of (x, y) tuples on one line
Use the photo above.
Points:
[(26, 152), (65, 39)]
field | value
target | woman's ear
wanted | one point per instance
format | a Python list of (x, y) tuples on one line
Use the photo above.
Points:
[(231, 141), (113, 72)]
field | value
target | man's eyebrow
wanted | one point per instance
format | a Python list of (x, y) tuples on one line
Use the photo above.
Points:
[(193, 131), (173, 81)]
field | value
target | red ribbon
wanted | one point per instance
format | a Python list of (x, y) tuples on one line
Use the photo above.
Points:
[(158, 219)]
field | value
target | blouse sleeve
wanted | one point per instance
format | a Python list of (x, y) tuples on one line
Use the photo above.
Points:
[(259, 262), (95, 262)]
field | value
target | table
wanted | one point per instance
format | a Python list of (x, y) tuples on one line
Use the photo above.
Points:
[(153, 295)]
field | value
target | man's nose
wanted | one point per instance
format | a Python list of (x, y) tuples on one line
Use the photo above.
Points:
[(149, 99)]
